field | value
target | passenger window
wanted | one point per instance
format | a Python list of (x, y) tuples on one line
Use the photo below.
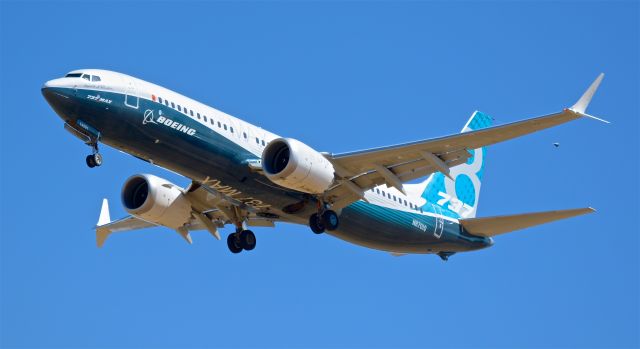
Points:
[(257, 140), (160, 100), (263, 142), (244, 134), (179, 108), (95, 78), (205, 119), (225, 127), (219, 124), (173, 105), (231, 129), (394, 198), (212, 123), (198, 116), (86, 77), (191, 112)]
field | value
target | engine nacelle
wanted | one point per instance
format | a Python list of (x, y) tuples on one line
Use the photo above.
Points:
[(156, 200), (294, 165)]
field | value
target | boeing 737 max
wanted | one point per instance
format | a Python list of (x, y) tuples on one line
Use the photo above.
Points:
[(246, 176)]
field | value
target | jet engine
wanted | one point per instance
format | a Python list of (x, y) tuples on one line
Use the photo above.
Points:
[(156, 200), (294, 165)]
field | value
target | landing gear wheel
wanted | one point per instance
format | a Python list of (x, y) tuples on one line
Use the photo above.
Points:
[(233, 242), (247, 240), (94, 160), (97, 158), (91, 161), (330, 220), (316, 224)]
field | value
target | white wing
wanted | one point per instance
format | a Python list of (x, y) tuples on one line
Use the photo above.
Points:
[(393, 165)]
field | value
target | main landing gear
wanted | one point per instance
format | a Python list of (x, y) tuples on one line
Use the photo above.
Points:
[(94, 159), (241, 240), (324, 220)]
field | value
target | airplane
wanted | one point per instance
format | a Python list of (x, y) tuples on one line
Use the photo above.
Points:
[(414, 198)]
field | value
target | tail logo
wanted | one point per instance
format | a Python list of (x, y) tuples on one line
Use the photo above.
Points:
[(460, 196)]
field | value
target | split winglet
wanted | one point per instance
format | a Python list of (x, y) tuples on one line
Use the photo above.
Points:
[(105, 216), (581, 105), (104, 219)]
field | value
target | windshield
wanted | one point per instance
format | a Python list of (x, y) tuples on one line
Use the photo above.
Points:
[(84, 76)]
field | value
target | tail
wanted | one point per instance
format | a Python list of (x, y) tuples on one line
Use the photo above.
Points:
[(457, 194)]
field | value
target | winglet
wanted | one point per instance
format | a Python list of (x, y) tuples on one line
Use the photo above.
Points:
[(105, 217), (582, 104)]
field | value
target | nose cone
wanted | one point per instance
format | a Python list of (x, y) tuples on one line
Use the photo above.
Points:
[(54, 95), (59, 97), (61, 82)]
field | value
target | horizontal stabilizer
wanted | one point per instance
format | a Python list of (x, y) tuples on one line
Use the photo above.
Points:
[(492, 226)]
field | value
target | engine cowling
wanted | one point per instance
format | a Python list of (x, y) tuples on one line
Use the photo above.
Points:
[(155, 200), (295, 165)]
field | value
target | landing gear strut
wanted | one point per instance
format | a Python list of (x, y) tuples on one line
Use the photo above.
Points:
[(241, 240), (94, 159), (323, 220)]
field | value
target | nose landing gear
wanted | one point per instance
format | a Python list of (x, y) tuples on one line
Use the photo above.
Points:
[(94, 159)]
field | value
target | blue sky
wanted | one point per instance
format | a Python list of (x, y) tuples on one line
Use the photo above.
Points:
[(340, 76)]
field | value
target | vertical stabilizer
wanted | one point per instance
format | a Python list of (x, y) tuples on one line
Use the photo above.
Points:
[(458, 198)]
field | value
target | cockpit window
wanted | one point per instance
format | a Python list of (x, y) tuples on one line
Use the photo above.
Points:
[(73, 75), (95, 78), (86, 77)]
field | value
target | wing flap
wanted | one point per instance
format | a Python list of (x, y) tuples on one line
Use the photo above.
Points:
[(492, 226)]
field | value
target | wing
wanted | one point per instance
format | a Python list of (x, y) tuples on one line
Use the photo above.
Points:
[(394, 165), (211, 209), (121, 225)]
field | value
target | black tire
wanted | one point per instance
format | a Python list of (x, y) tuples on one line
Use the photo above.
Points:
[(233, 243), (315, 224), (91, 161), (97, 159), (248, 240), (330, 220)]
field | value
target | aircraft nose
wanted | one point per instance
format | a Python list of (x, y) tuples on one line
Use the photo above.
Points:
[(58, 97), (53, 83), (52, 93)]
